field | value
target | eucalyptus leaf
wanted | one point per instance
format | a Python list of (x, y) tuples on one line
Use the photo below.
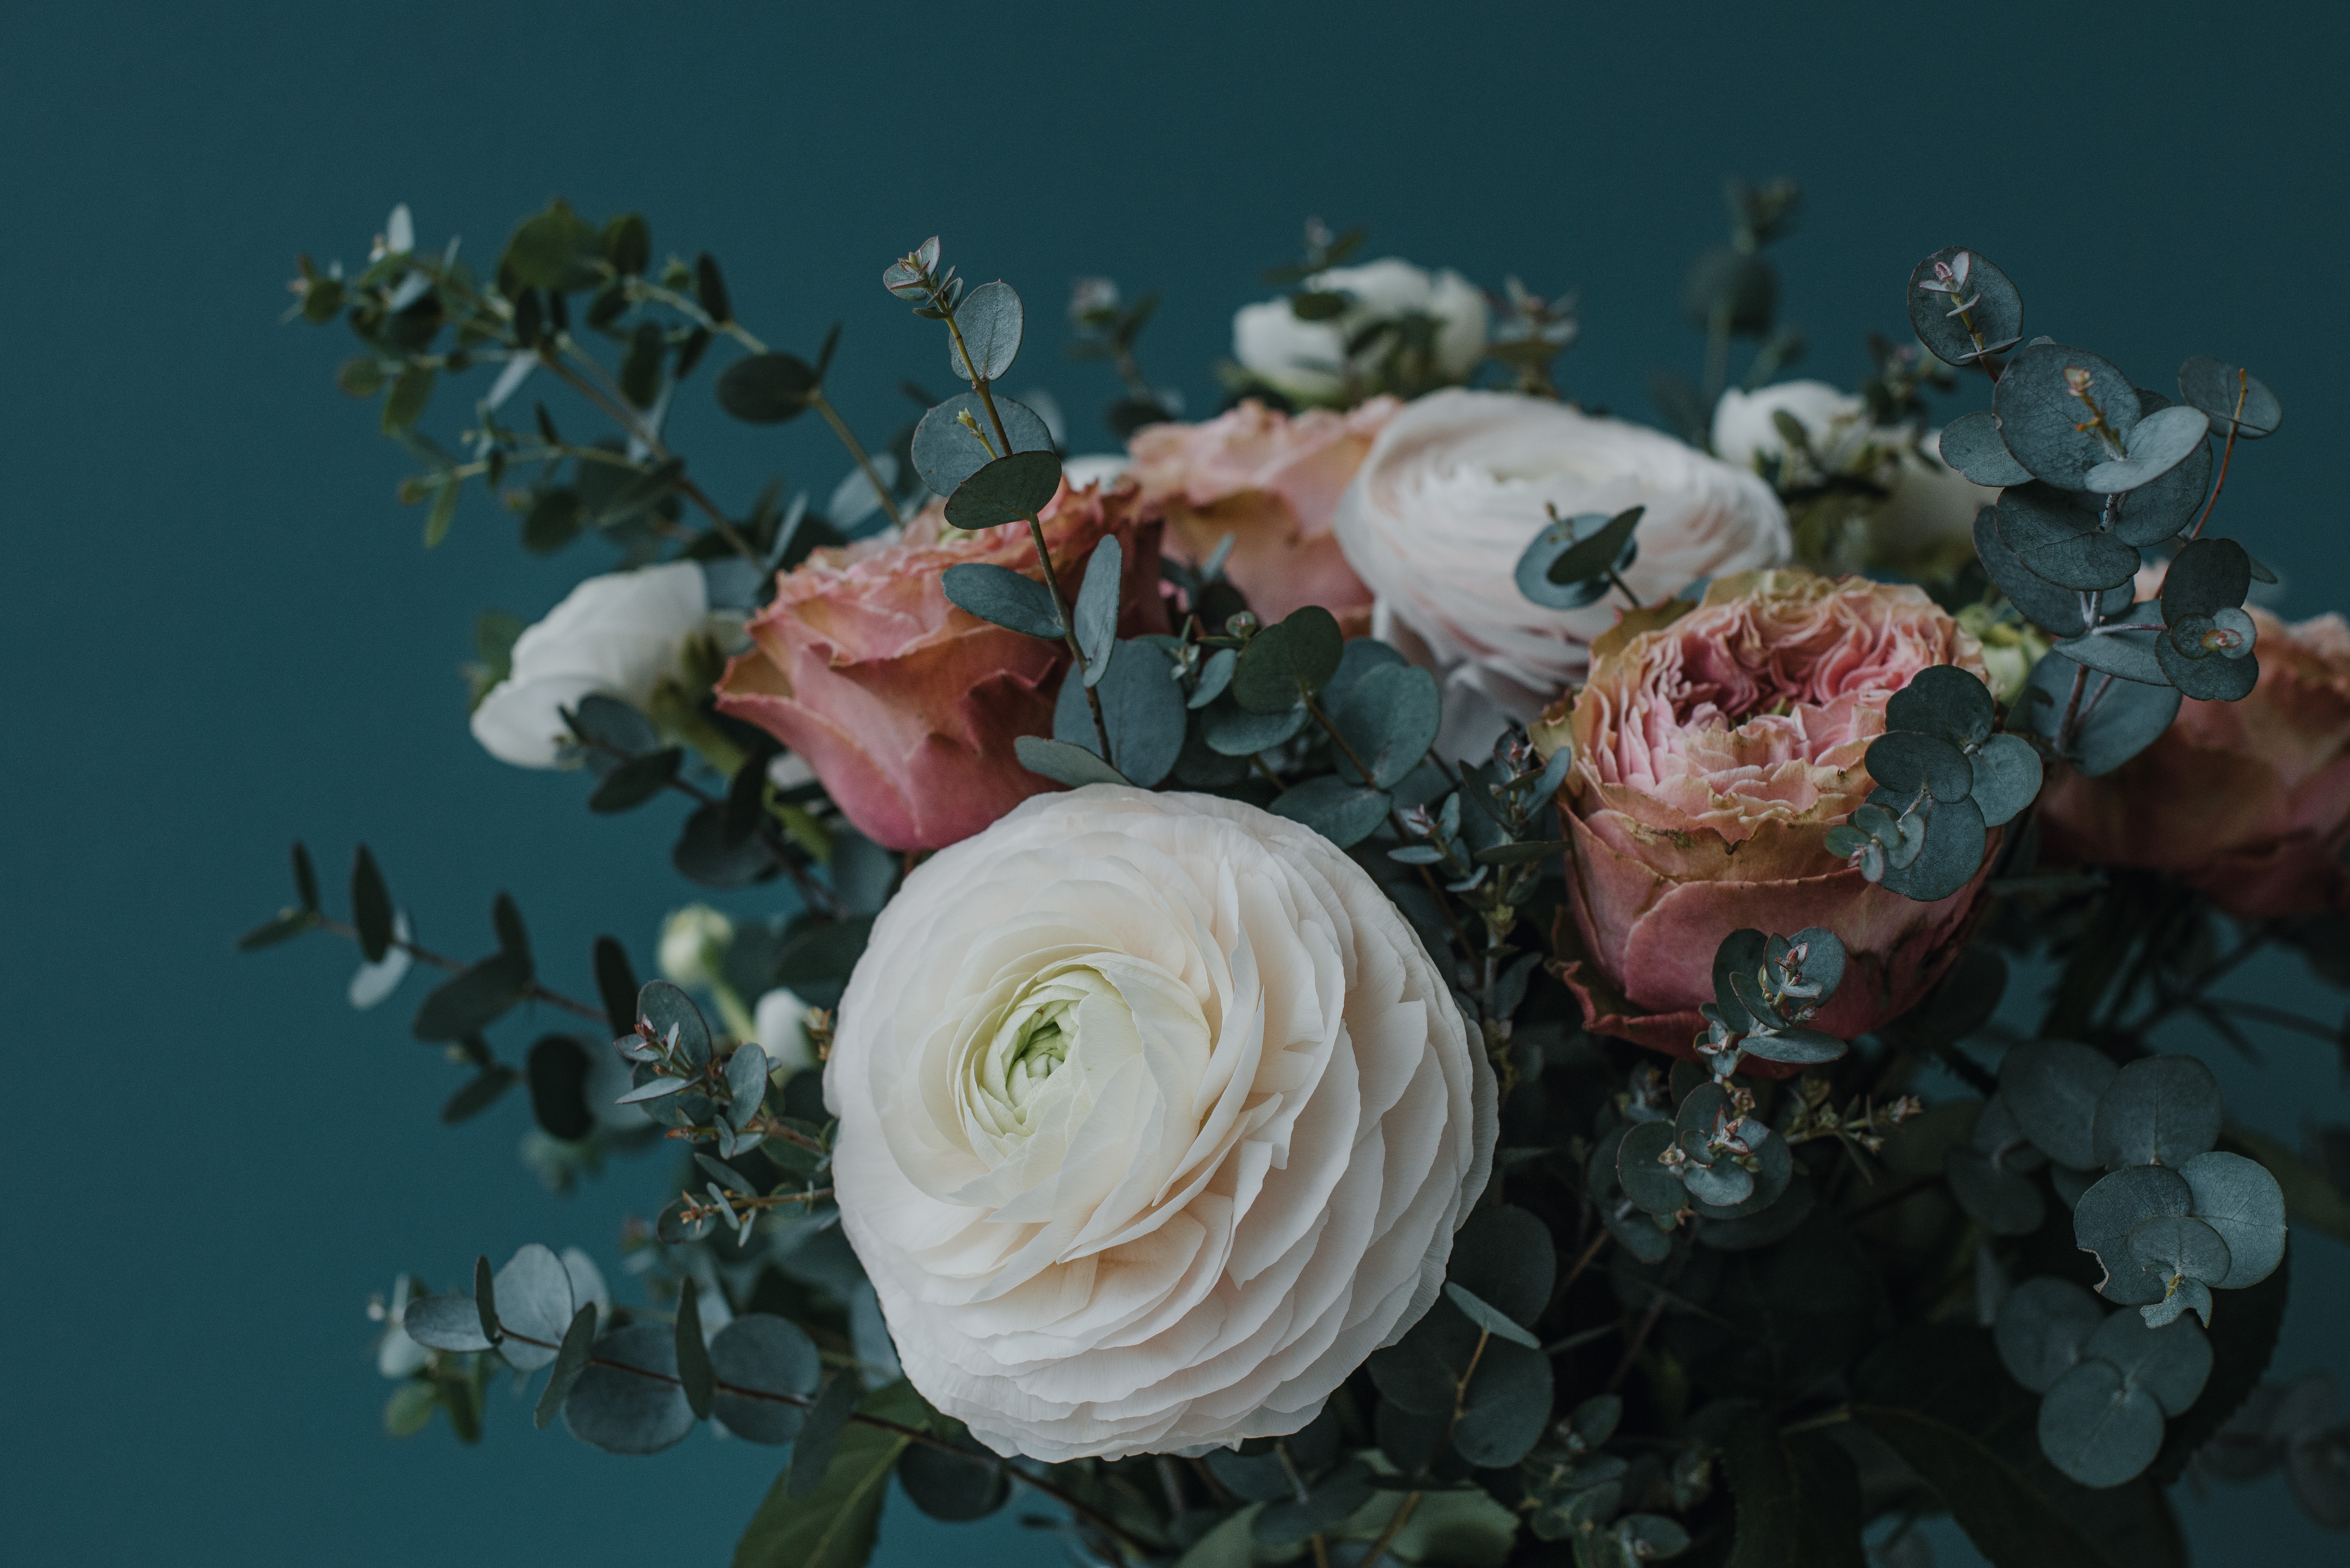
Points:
[(372, 909), (2110, 1211), (1956, 837), (533, 1294), (1999, 1201), (2159, 1110), (1971, 309), (1944, 701), (451, 1322), (956, 1486), (2208, 574), (2044, 1330), (1391, 716), (758, 1354), (1970, 445), (946, 451), (2126, 717), (663, 1007), (2060, 541), (2176, 1247), (1215, 676), (2128, 654), (2007, 777), (1142, 708), (1096, 611), (1904, 761), (2159, 443), (2097, 1427), (1232, 730), (2044, 399), (633, 1405), (1646, 1182), (1566, 565), (833, 1520), (768, 389), (1064, 762), (1008, 490), (2051, 1087), (570, 1361), (2233, 396), (2211, 679), (1343, 813), (2056, 609), (1489, 1318), (1507, 1403), (2241, 1201), (1003, 597), (2171, 1363), (1289, 661), (989, 324), (476, 997)]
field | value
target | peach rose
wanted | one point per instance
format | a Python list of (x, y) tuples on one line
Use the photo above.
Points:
[(1271, 480), (1713, 753), (2249, 800), (907, 707)]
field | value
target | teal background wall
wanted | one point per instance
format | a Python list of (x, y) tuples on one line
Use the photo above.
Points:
[(220, 631)]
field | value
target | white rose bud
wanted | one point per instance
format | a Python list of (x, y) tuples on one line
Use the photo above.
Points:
[(1307, 360), (779, 1023), (693, 943), (1457, 485), (1156, 1118), (1745, 432), (615, 636)]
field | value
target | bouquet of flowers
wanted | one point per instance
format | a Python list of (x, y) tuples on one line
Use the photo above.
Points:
[(1410, 974)]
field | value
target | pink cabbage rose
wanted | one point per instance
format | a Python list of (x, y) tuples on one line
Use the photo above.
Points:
[(2248, 800), (1271, 481), (1713, 753), (907, 707)]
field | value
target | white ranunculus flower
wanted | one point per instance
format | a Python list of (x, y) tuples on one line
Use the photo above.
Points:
[(1156, 1119), (1457, 486), (693, 947), (616, 636), (1306, 359), (1745, 433)]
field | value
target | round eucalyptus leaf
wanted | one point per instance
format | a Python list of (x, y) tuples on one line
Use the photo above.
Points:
[(1775, 1171), (2178, 1246), (1970, 445), (2126, 717), (959, 1487), (534, 1296), (1757, 1223), (1998, 1135), (1343, 813), (2130, 655), (2208, 574), (2110, 1211), (664, 1008), (1565, 565), (1289, 661), (2233, 396), (2045, 397), (2171, 1362), (2098, 1428), (2159, 443), (1508, 1404), (1721, 1184), (1962, 306), (1944, 701), (1412, 1373), (947, 451), (2239, 1199), (2001, 1201), (2007, 776), (1741, 952), (1953, 852), (2211, 679), (2050, 1088), (767, 388), (988, 323), (1005, 491), (2042, 603), (763, 1354), (2162, 507), (1638, 1234), (626, 1412), (1142, 708), (1599, 1170), (1646, 1182), (1798, 1046), (1231, 730), (1904, 761), (1390, 715), (445, 1322), (2159, 1110), (1504, 1256), (1699, 1109), (2063, 542), (2319, 1471), (2042, 1327)]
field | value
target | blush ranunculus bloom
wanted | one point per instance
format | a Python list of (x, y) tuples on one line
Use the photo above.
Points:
[(2248, 800), (1713, 753), (1457, 486), (907, 707), (1156, 1118), (1271, 480)]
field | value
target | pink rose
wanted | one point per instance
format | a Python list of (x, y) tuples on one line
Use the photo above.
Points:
[(1271, 480), (2248, 800), (907, 707), (1713, 753)]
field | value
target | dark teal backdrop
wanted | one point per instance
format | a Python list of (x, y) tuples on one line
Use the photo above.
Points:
[(220, 632)]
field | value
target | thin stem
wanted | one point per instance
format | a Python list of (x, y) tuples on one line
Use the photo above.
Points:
[(617, 409), (2262, 1012), (534, 990), (911, 1434), (2072, 708), (1834, 1417), (1395, 1528), (1338, 739), (1069, 628), (823, 405), (1625, 588), (2227, 455), (1581, 1263)]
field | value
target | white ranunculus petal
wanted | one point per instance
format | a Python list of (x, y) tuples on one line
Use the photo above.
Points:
[(1457, 486), (618, 635), (1156, 1118)]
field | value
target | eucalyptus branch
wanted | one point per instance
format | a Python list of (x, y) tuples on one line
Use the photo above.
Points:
[(615, 408), (882, 1423), (533, 991), (2227, 455)]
